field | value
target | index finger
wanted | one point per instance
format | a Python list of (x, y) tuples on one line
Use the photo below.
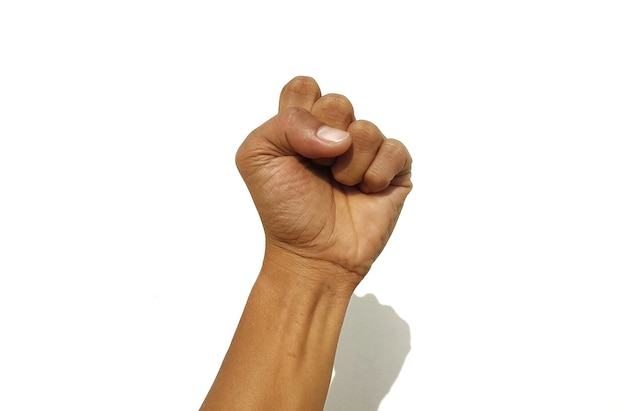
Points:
[(301, 92)]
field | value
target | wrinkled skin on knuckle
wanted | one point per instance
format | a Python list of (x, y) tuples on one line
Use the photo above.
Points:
[(303, 86), (374, 182), (334, 110)]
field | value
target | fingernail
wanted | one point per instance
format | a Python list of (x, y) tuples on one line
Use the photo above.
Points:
[(332, 135)]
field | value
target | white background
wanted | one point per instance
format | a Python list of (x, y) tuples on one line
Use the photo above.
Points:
[(128, 243)]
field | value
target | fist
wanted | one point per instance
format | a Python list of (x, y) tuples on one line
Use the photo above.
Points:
[(328, 188)]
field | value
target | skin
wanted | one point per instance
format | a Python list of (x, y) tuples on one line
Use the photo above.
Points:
[(328, 209)]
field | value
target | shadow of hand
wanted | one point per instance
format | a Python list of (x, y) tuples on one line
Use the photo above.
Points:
[(373, 345)]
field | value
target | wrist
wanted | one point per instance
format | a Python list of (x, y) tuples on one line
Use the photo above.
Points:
[(283, 351), (307, 274)]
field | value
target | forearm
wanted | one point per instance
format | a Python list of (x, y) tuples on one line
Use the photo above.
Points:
[(281, 356)]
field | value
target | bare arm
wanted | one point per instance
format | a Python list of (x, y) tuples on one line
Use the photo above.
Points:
[(328, 198)]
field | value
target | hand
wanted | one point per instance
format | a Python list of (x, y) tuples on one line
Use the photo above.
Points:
[(328, 188)]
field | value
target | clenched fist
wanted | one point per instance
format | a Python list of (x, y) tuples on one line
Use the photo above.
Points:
[(328, 188)]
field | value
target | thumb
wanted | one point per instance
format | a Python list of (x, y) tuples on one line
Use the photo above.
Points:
[(292, 132)]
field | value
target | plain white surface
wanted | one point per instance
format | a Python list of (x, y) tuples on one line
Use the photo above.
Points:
[(128, 243)]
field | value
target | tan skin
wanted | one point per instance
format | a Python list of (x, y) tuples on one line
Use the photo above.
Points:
[(328, 209)]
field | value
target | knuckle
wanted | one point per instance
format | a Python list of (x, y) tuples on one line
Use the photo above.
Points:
[(336, 102), (334, 110), (347, 178), (302, 85), (366, 133), (375, 181), (395, 147)]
